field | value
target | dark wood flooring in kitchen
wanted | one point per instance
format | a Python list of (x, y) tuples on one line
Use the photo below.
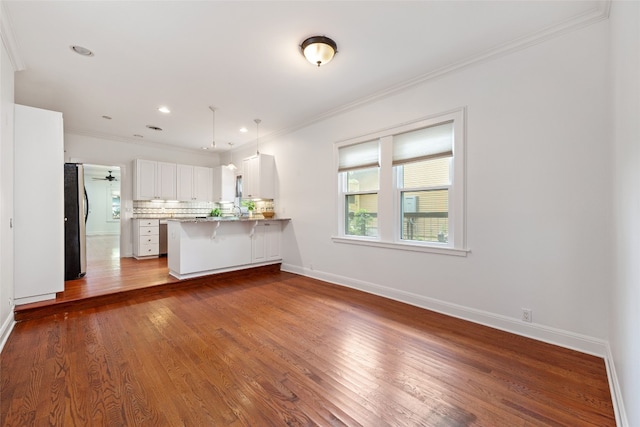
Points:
[(111, 279), (272, 348)]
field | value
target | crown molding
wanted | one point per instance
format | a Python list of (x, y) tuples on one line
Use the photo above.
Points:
[(599, 12), (8, 39)]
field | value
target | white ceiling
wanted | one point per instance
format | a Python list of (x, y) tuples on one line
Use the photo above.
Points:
[(243, 58)]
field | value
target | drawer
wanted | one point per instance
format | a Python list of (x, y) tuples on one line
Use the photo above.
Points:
[(152, 239), (148, 231), (148, 222), (149, 249)]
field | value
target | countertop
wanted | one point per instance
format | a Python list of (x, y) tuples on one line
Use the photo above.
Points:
[(226, 219)]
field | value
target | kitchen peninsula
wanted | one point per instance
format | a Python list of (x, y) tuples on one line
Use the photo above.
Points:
[(203, 246)]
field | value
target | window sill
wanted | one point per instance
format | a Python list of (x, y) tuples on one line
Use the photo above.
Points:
[(401, 246)]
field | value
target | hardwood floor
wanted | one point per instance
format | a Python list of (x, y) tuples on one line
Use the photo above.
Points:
[(270, 348), (109, 278)]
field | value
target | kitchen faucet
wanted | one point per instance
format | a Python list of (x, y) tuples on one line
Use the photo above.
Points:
[(239, 214)]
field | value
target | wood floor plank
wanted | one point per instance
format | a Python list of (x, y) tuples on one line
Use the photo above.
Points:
[(269, 348)]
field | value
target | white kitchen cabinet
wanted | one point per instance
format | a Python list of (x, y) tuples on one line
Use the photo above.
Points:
[(199, 247), (266, 242), (146, 238), (144, 186), (154, 180), (184, 189), (194, 183), (224, 184), (202, 184), (166, 181), (258, 177), (38, 223)]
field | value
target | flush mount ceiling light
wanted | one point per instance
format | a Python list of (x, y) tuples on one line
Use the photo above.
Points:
[(319, 50), (81, 50), (164, 110)]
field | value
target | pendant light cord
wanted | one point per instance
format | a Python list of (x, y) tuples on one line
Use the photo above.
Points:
[(213, 127), (257, 136)]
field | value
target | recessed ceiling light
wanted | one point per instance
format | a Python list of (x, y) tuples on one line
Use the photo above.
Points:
[(81, 50), (244, 130), (154, 127), (107, 117), (205, 148), (164, 109)]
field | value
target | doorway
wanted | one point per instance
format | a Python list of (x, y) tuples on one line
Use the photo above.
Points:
[(102, 184)]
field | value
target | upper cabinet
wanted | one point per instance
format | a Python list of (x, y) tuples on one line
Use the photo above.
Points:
[(166, 181), (224, 184), (194, 183), (154, 180), (258, 177)]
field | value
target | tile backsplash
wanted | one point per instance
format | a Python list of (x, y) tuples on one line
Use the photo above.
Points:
[(153, 209), (157, 209)]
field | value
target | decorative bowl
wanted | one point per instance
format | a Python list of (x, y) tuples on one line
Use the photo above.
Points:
[(268, 214)]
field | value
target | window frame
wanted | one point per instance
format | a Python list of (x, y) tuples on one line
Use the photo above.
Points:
[(398, 189), (343, 187), (389, 191)]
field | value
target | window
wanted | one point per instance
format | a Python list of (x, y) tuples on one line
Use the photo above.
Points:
[(422, 159), (359, 167), (405, 188), (115, 205)]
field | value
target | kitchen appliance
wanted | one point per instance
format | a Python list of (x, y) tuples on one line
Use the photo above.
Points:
[(76, 208)]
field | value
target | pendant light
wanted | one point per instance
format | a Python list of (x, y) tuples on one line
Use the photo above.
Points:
[(257, 121), (213, 128)]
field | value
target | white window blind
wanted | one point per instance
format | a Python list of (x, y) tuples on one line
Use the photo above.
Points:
[(359, 156), (423, 144)]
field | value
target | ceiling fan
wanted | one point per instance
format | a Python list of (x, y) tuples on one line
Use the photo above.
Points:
[(109, 178)]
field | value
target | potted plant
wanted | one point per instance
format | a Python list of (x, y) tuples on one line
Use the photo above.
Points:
[(215, 212)]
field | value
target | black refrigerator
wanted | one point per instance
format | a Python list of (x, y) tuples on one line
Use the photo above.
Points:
[(76, 208)]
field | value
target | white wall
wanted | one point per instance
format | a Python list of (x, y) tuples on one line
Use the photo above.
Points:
[(538, 203), (6, 193), (99, 220), (624, 337), (98, 151)]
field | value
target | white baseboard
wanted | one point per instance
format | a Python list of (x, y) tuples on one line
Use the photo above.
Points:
[(6, 328), (616, 393), (571, 340), (562, 338), (37, 298)]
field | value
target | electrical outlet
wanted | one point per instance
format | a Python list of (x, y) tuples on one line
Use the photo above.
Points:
[(526, 315)]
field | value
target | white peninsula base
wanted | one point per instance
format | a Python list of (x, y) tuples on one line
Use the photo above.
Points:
[(203, 247)]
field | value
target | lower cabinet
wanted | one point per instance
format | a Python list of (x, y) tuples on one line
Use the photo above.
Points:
[(202, 247), (266, 245), (146, 238)]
